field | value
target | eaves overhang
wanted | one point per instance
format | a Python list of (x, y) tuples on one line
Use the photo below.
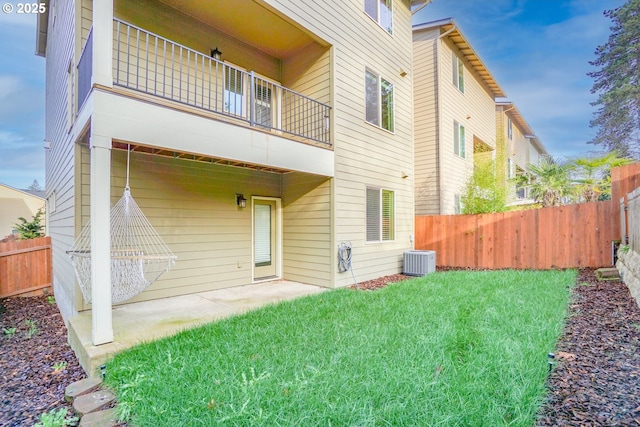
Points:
[(448, 26), (42, 30), (510, 109)]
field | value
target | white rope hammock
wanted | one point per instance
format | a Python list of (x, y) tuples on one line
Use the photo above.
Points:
[(138, 254)]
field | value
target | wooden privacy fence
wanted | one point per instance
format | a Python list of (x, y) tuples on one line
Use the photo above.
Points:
[(568, 236), (25, 266)]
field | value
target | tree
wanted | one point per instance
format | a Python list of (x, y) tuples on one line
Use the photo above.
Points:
[(30, 229), (35, 186), (593, 175), (549, 181), (484, 193), (617, 83)]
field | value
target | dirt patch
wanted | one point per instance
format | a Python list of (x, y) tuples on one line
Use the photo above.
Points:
[(595, 382), (36, 363)]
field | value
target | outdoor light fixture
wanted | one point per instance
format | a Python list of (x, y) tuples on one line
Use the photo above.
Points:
[(241, 201), (216, 54)]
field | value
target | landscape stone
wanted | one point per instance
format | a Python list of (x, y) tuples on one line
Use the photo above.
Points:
[(105, 418), (81, 387), (93, 402)]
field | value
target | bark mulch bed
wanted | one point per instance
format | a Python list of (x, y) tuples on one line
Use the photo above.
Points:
[(595, 381)]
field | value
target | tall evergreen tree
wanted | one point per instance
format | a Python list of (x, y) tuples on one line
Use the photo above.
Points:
[(617, 83)]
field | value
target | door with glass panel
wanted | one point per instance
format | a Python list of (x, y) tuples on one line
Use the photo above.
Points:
[(264, 239)]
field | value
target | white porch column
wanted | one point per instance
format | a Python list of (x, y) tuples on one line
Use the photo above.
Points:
[(101, 321), (102, 42)]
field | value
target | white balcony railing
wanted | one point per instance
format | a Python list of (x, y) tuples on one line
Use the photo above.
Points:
[(148, 63)]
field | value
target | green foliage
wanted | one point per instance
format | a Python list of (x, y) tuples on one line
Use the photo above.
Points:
[(549, 181), (32, 327), (30, 229), (617, 83), (51, 300), (451, 348), (56, 418), (592, 175), (9, 332), (483, 192), (59, 366)]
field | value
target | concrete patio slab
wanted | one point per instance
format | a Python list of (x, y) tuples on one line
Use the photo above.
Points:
[(150, 320)]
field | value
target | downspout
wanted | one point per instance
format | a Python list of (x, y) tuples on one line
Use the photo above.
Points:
[(439, 153)]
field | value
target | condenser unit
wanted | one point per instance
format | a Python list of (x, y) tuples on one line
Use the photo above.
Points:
[(419, 263)]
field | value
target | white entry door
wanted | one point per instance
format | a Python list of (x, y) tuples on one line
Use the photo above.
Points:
[(265, 237)]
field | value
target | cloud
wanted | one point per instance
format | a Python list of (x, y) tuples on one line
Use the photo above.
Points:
[(21, 160)]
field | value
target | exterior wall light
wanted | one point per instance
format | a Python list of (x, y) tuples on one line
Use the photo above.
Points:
[(241, 201), (216, 54)]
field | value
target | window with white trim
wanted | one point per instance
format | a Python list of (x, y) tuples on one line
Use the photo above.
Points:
[(458, 71), (457, 204), (459, 142), (509, 128), (233, 91), (380, 214), (380, 11), (379, 101), (511, 173)]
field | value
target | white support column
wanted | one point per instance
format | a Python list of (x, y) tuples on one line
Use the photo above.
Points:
[(102, 325), (103, 42)]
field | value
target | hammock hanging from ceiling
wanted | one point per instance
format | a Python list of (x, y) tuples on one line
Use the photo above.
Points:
[(138, 254)]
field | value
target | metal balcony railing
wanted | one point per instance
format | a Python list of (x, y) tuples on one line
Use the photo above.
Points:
[(146, 62)]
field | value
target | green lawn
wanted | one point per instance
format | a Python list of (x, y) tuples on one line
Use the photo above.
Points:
[(453, 348)]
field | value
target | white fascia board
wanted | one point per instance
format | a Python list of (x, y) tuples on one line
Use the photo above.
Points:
[(128, 119)]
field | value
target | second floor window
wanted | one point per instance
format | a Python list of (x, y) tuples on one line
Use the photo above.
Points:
[(509, 129), (379, 100), (380, 11), (459, 139), (458, 71)]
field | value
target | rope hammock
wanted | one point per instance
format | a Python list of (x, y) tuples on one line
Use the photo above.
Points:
[(138, 254)]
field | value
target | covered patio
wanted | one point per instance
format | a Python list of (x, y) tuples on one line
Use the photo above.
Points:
[(150, 320)]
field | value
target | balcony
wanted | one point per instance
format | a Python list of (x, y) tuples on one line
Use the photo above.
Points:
[(151, 64)]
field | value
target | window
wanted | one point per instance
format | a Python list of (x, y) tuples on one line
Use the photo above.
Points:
[(233, 95), (380, 215), (379, 100), (263, 103), (458, 71), (459, 142), (457, 204), (510, 169), (51, 203), (509, 128), (380, 11)]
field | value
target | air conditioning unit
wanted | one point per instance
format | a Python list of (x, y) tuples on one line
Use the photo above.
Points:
[(419, 263)]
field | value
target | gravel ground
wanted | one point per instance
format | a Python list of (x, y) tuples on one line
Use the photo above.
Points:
[(595, 382)]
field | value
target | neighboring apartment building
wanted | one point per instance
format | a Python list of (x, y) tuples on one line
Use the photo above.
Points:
[(454, 109), (300, 111), (14, 204), (521, 147)]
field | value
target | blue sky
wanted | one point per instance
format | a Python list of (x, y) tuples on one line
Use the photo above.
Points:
[(538, 51)]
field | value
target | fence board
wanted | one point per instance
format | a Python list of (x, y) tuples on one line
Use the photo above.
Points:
[(559, 237), (25, 265)]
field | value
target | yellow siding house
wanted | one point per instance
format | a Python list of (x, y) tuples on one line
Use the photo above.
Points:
[(299, 112), (454, 110)]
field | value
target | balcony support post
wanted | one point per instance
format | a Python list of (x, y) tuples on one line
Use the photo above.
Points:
[(100, 181), (103, 43), (252, 98)]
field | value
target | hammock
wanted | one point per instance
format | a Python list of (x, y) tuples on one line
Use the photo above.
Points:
[(138, 254)]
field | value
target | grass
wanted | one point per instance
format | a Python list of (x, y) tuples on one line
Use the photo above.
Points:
[(453, 348)]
